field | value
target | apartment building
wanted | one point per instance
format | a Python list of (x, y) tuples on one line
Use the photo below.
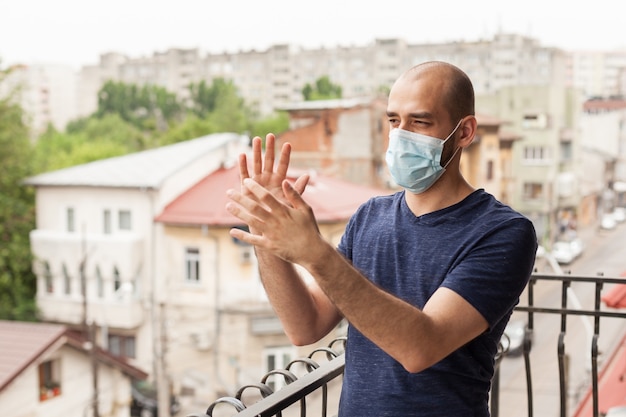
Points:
[(546, 160), (47, 94), (275, 77)]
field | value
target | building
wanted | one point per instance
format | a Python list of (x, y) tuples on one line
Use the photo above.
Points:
[(274, 78), (546, 159), (47, 94), (49, 370), (95, 244), (342, 138)]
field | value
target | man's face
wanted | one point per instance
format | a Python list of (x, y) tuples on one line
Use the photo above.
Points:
[(416, 105)]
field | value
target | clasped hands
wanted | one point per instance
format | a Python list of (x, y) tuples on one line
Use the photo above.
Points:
[(280, 221)]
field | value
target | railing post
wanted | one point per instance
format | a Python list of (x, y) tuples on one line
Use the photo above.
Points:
[(562, 357)]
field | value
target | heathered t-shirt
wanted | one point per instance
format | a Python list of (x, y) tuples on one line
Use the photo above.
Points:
[(479, 248)]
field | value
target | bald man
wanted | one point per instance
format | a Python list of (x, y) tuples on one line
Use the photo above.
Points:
[(427, 277)]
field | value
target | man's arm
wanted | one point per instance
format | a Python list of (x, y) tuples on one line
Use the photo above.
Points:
[(415, 338), (305, 312)]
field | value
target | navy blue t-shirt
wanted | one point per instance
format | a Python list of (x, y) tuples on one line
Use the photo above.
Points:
[(479, 248)]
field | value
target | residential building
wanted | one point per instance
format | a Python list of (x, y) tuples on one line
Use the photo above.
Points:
[(47, 94), (47, 370), (603, 141), (274, 78), (96, 245), (546, 158), (342, 138), (598, 74)]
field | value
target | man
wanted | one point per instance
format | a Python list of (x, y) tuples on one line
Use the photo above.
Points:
[(427, 277)]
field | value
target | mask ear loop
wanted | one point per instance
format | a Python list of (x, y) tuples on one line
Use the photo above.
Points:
[(457, 148)]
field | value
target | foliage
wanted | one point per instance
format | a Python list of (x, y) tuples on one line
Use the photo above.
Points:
[(277, 123), (87, 140), (191, 127), (324, 89), (148, 107), (17, 219)]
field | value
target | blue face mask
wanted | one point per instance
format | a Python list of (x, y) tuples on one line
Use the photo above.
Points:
[(414, 160)]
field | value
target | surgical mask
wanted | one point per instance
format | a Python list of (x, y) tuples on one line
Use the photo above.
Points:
[(414, 160)]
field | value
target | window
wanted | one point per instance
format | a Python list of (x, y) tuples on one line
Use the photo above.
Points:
[(106, 222), (48, 279), (192, 264), (67, 281), (277, 358), (123, 346), (117, 279), (536, 155), (533, 191), (124, 220), (49, 380), (69, 219)]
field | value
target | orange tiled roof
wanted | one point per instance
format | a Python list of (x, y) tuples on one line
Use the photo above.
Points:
[(205, 203)]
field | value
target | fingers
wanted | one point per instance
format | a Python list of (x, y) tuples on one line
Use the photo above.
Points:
[(257, 155), (301, 183), (243, 168), (283, 162), (269, 153)]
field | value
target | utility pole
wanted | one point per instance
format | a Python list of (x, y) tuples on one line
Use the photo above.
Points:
[(89, 331)]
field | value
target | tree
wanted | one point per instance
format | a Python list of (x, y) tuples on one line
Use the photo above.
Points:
[(274, 123), (17, 214), (149, 107), (324, 89), (87, 140)]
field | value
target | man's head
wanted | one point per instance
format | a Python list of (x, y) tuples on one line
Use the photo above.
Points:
[(431, 99)]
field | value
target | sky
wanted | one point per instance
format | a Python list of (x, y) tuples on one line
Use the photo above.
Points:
[(76, 32)]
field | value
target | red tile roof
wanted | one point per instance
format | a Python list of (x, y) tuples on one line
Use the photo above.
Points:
[(205, 203), (21, 343)]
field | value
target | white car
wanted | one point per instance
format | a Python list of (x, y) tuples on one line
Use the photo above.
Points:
[(607, 221), (565, 251), (619, 214)]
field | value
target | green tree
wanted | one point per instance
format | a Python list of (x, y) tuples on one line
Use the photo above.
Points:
[(87, 140), (324, 89), (17, 218), (149, 107), (275, 123), (221, 105)]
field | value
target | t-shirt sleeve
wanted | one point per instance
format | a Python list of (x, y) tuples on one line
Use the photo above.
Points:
[(493, 274)]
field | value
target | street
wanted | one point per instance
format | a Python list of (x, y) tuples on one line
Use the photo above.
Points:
[(603, 254)]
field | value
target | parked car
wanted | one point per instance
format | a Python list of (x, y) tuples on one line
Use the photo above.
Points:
[(607, 221), (619, 214), (566, 251), (144, 402), (513, 337)]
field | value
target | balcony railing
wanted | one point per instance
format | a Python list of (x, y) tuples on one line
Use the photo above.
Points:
[(547, 296)]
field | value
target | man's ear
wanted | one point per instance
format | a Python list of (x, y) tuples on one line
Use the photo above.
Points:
[(468, 131)]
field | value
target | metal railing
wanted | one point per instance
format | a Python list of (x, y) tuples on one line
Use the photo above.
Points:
[(320, 375)]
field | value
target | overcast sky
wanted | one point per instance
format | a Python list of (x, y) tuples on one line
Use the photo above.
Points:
[(76, 32)]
